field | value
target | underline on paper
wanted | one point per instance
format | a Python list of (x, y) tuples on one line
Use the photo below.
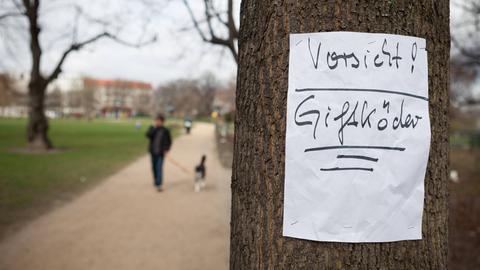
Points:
[(347, 169), (354, 147), (358, 157)]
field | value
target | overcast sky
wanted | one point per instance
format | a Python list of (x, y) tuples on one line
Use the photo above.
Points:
[(178, 52)]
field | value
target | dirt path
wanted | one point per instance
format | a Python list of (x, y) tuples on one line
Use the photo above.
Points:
[(125, 224)]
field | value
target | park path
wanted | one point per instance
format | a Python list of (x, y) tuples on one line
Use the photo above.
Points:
[(124, 223)]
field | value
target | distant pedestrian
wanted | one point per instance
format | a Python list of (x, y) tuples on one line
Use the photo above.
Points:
[(138, 125), (160, 142), (187, 123)]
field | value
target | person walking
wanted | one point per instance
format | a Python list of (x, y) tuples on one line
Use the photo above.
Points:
[(187, 123), (159, 145)]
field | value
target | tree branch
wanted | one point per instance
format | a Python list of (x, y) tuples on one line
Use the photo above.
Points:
[(474, 58), (210, 13), (208, 17), (231, 22), (79, 45), (194, 20), (473, 8), (10, 14), (73, 47)]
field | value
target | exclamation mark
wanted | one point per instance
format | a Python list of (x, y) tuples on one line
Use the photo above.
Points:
[(414, 54)]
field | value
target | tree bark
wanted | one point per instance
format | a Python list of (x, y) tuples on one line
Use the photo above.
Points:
[(37, 127), (258, 166)]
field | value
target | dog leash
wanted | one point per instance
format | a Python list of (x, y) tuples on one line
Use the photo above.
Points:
[(178, 165)]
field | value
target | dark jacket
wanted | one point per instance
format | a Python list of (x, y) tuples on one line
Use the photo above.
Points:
[(160, 140)]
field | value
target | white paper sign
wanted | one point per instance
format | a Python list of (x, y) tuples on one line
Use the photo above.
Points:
[(358, 137)]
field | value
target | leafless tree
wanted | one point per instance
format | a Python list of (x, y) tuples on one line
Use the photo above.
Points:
[(214, 18), (224, 102), (462, 82), (187, 97), (179, 96), (54, 99), (208, 86), (29, 10), (89, 102), (74, 99), (466, 32)]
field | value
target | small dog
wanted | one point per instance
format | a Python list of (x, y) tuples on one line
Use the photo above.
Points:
[(200, 172)]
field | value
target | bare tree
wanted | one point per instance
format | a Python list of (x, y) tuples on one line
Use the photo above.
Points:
[(37, 129), (54, 100), (187, 97), (466, 37), (213, 17), (208, 86), (74, 102), (8, 91), (181, 96), (89, 102), (462, 82)]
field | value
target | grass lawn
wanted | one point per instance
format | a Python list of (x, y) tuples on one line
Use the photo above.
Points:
[(31, 183)]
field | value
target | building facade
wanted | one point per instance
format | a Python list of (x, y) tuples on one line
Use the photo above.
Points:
[(117, 98)]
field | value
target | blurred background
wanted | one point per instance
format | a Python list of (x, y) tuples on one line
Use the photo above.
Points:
[(107, 67)]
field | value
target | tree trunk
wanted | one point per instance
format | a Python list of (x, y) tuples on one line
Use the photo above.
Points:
[(37, 128), (258, 166)]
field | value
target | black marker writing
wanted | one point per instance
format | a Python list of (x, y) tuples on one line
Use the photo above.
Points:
[(414, 55), (346, 116), (387, 55), (315, 61)]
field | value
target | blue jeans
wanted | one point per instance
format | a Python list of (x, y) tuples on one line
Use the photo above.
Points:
[(157, 167)]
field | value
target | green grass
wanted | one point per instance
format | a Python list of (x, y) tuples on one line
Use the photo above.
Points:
[(89, 152)]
